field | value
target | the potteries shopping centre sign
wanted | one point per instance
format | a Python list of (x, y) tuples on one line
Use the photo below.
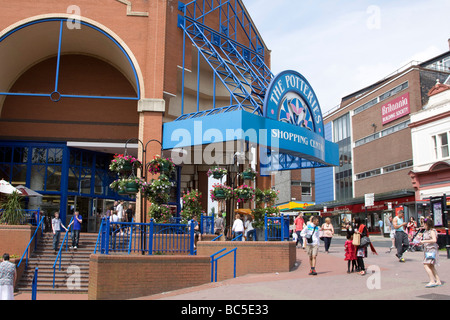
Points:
[(292, 124)]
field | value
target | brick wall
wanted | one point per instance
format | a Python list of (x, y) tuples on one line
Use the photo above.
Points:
[(14, 239), (127, 277), (251, 257)]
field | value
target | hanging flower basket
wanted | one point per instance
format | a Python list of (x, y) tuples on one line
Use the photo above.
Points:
[(266, 196), (244, 192), (249, 174), (124, 164), (221, 192), (130, 185), (217, 173), (157, 190), (161, 213), (160, 165)]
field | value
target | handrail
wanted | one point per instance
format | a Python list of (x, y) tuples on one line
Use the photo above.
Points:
[(98, 237), (213, 261), (218, 237), (28, 246), (59, 256), (34, 285), (239, 236), (225, 254)]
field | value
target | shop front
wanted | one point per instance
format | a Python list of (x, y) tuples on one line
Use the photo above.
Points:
[(69, 179), (375, 217)]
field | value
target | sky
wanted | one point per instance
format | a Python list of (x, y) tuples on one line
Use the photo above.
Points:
[(342, 46)]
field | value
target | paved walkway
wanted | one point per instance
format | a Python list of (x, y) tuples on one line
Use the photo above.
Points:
[(394, 280)]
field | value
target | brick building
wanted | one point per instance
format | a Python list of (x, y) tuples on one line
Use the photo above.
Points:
[(372, 128), (83, 80)]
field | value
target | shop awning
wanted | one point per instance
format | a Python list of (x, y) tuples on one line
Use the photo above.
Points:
[(294, 205)]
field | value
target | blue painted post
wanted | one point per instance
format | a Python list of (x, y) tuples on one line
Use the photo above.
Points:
[(234, 274), (107, 232), (282, 227), (265, 226), (34, 286), (192, 240), (150, 237)]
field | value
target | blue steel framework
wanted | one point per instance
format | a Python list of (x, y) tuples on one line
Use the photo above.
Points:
[(235, 53), (240, 67), (55, 96)]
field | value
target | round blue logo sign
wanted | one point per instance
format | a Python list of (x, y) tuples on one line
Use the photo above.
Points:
[(290, 99)]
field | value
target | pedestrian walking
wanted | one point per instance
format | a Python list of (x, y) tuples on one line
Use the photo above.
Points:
[(401, 237), (218, 224), (431, 253), (391, 233), (328, 232), (250, 232), (238, 227), (311, 235), (56, 228), (8, 277), (361, 250), (76, 222), (299, 224), (350, 253), (195, 225)]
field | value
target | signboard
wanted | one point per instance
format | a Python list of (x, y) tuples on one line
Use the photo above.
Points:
[(292, 125), (439, 211), (369, 199), (396, 109)]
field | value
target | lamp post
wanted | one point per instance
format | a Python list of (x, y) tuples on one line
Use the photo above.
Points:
[(231, 203), (144, 172)]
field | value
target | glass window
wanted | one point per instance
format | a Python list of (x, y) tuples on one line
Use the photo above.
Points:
[(444, 145), (435, 147), (5, 154), (53, 178)]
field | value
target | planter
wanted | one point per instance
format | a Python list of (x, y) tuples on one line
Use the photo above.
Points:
[(220, 194), (127, 167), (245, 196), (217, 175), (247, 176), (132, 188)]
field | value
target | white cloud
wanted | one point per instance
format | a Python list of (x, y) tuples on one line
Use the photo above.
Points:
[(342, 47)]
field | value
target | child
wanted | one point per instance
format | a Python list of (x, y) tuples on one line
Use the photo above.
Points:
[(350, 253), (56, 228)]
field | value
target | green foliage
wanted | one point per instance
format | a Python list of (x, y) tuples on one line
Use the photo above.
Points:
[(12, 210)]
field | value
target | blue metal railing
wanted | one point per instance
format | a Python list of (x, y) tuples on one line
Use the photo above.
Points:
[(276, 228), (146, 238), (207, 224), (34, 237), (238, 238), (59, 256), (214, 263), (34, 284)]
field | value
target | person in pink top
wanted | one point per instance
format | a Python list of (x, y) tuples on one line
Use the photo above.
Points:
[(299, 223)]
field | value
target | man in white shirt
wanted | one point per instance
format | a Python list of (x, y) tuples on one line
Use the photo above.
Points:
[(311, 234), (238, 227), (120, 210)]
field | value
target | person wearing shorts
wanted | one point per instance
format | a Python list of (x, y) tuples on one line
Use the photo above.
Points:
[(312, 239)]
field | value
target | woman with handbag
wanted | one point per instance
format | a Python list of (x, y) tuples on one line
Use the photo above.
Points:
[(431, 253), (362, 233)]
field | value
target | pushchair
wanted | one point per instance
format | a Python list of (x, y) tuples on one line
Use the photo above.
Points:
[(414, 244)]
